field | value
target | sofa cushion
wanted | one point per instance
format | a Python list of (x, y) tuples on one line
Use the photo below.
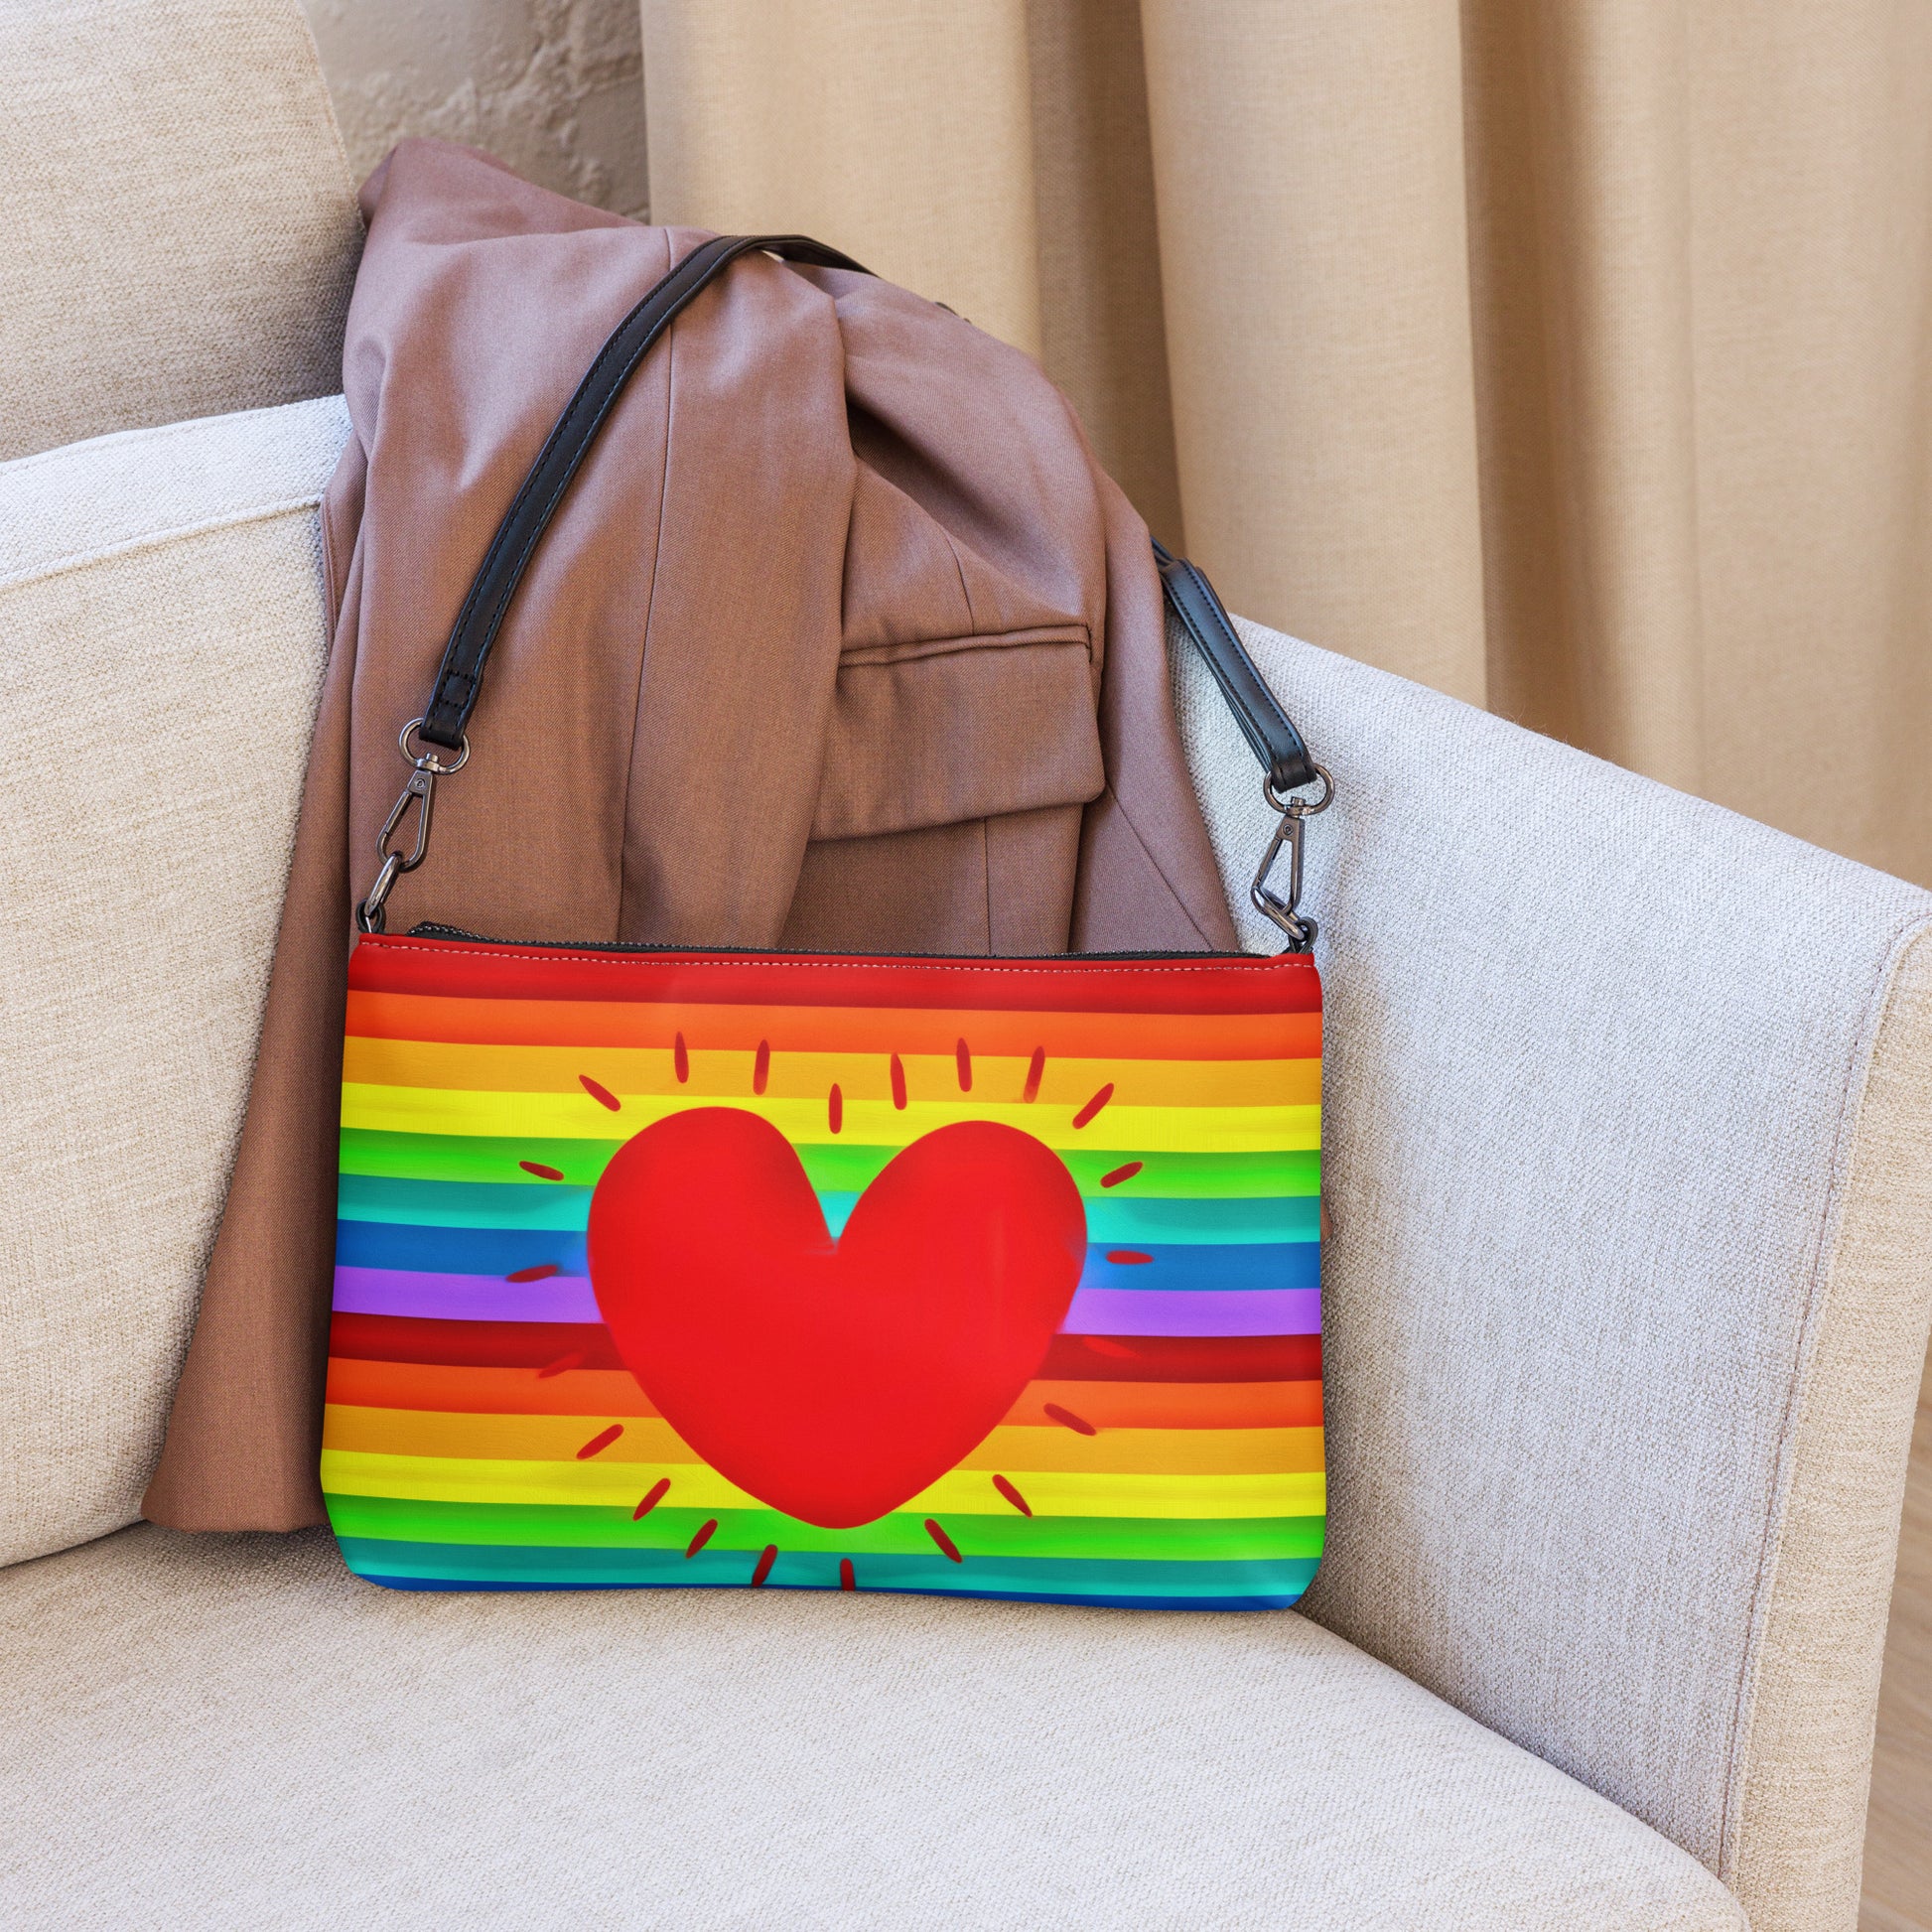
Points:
[(233, 1730), (180, 231), (161, 647)]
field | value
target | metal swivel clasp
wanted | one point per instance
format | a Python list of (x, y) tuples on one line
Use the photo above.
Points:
[(421, 791), (1274, 906)]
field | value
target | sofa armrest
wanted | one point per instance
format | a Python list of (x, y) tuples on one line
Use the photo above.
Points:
[(1629, 1141)]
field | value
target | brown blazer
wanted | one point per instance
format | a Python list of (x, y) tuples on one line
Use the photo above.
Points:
[(840, 641)]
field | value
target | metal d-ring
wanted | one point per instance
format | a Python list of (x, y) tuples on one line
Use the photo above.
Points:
[(1274, 906), (421, 791), (1309, 806), (428, 761)]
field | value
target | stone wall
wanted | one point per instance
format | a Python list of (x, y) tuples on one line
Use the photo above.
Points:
[(553, 87)]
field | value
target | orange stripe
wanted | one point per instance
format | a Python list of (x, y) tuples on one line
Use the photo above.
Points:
[(834, 1029), (487, 1391), (1174, 1405), (636, 1073), (613, 1392), (472, 1437)]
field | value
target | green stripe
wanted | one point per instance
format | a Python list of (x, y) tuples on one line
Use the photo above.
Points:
[(1113, 1219), (831, 1168), (560, 1526)]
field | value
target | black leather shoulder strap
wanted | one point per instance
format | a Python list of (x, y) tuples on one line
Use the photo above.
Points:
[(458, 682), (1265, 725)]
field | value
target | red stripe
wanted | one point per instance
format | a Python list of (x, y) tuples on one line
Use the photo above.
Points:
[(474, 969), (1182, 1359), (1070, 1358), (470, 1344)]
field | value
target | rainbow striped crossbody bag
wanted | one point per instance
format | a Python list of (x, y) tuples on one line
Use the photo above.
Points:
[(981, 1277)]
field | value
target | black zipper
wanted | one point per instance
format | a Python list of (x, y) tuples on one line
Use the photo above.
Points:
[(428, 929)]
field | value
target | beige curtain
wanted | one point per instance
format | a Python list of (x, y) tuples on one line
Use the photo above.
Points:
[(1571, 359)]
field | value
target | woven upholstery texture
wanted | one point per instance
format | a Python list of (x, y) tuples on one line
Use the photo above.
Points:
[(1628, 1126), (178, 233), (234, 1731), (161, 647)]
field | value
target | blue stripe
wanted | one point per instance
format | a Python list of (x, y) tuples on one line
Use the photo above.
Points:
[(1096, 1602), (1221, 1270), (1069, 1579), (497, 1252)]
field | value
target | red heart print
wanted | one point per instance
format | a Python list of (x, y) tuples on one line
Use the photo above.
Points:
[(832, 1379)]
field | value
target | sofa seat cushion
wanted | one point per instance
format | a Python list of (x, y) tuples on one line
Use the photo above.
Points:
[(235, 1731)]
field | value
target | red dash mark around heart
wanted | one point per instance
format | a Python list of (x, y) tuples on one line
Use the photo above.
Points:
[(597, 1444), (1068, 1420), (652, 1497), (947, 1546), (835, 1110), (1121, 1174), (1034, 1069), (601, 1094), (765, 1561), (963, 1058), (762, 1067), (680, 1060), (540, 1170), (1012, 1495), (706, 1531), (540, 1273), (1128, 1255), (847, 1580), (562, 1364), (899, 1083), (1094, 1105)]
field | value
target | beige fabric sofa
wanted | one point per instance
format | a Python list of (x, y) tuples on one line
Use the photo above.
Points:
[(1630, 1162)]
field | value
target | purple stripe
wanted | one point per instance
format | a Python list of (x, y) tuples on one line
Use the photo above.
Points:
[(1195, 1311), (464, 1297), (567, 1298)]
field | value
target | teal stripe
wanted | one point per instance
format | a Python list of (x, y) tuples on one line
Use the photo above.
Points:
[(1112, 1220), (462, 1204), (716, 1568)]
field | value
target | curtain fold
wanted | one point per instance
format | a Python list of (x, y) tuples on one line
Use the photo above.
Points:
[(1575, 361), (906, 129)]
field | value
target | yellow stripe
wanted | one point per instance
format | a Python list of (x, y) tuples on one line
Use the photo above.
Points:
[(647, 1438), (867, 1123), (427, 1478), (636, 1072)]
